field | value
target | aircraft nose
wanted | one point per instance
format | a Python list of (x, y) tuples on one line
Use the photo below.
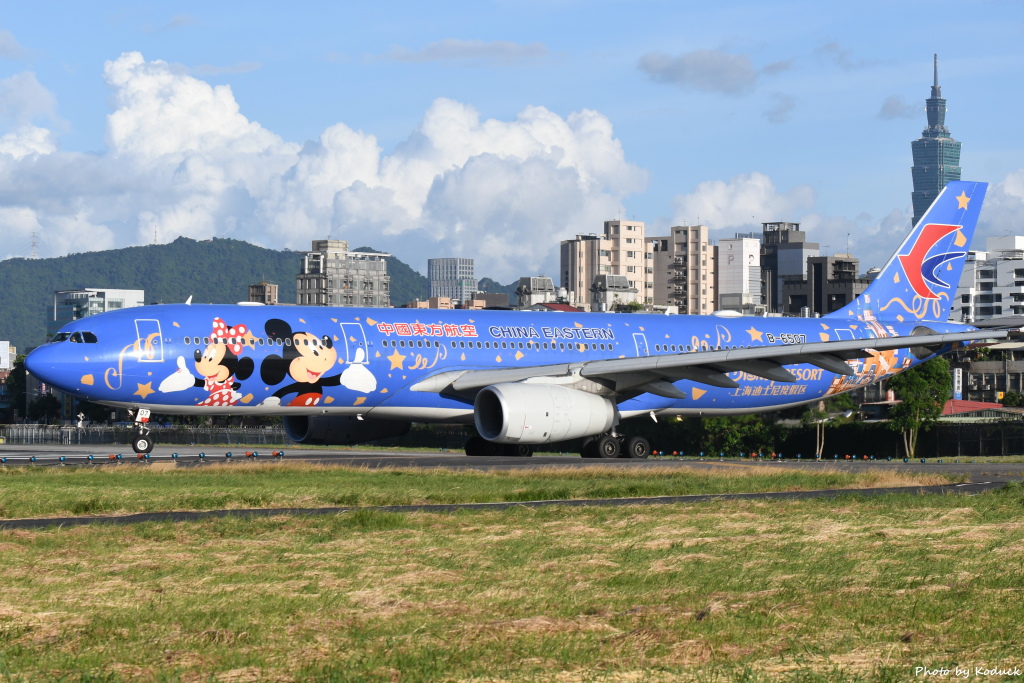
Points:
[(43, 363)]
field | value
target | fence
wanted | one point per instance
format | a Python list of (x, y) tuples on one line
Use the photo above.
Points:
[(181, 436)]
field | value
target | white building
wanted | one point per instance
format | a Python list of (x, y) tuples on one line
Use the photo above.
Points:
[(992, 284), (739, 274), (75, 304), (452, 278)]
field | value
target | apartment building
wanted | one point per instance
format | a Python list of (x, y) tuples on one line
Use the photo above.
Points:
[(683, 270), (331, 275), (620, 250)]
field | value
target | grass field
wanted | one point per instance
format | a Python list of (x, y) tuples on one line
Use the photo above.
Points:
[(814, 590), (41, 492)]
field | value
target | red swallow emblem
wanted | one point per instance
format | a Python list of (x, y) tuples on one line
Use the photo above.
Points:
[(919, 268)]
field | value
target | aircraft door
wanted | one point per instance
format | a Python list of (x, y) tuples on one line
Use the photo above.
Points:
[(353, 341), (641, 344), (149, 342)]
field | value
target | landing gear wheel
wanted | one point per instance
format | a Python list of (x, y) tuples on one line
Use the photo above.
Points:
[(476, 445), (608, 447), (520, 450), (142, 443), (589, 448), (637, 447)]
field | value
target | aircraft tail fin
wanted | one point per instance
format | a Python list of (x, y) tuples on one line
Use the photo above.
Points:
[(919, 281)]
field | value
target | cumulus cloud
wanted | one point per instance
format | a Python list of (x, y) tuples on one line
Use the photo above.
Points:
[(24, 99), (742, 203), (895, 108), (1003, 213), (182, 159), (705, 70), (469, 51)]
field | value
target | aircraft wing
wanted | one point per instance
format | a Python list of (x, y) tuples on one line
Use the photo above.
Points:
[(655, 374)]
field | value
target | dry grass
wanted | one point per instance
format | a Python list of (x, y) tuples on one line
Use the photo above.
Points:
[(847, 589)]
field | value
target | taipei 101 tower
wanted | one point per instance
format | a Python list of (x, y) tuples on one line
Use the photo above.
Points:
[(936, 154)]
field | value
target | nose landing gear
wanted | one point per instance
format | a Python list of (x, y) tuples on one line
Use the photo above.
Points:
[(142, 442)]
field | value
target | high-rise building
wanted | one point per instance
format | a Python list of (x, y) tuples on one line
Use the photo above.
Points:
[(451, 278), (621, 250), (684, 269), (936, 154), (738, 265), (784, 252), (74, 304), (331, 275)]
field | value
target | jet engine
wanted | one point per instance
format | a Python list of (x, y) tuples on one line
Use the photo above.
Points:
[(540, 413), (340, 430)]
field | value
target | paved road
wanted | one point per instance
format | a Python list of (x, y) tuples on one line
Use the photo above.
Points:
[(188, 455)]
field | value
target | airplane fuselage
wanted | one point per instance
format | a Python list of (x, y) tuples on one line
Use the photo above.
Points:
[(245, 359)]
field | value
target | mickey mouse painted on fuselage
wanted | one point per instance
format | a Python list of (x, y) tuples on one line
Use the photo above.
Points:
[(218, 365), (305, 358)]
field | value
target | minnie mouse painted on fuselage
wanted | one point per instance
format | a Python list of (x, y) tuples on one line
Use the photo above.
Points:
[(305, 358)]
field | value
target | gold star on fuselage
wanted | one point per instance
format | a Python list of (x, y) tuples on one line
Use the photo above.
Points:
[(397, 360), (144, 390), (963, 199), (755, 335)]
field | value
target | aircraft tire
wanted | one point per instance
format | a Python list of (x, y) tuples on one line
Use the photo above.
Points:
[(637, 447), (142, 444), (476, 446), (588, 449), (520, 450), (608, 447)]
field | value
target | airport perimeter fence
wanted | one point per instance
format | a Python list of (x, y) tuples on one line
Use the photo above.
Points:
[(944, 440), (440, 437), (29, 434)]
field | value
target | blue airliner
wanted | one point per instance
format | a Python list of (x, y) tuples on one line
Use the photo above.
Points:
[(351, 375)]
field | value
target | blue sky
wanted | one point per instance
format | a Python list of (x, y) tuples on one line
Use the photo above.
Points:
[(492, 130)]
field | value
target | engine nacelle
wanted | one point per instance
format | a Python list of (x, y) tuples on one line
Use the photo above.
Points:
[(540, 413), (339, 430)]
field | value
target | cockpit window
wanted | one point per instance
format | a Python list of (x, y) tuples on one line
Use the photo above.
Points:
[(59, 337), (89, 338), (76, 337)]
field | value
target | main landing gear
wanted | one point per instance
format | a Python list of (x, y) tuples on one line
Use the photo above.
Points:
[(142, 442), (614, 446)]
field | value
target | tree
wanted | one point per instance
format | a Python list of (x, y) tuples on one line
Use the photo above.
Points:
[(1013, 398), (825, 414), (739, 435), (16, 386), (45, 408), (922, 391)]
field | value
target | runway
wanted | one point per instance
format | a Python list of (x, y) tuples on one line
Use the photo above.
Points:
[(48, 455)]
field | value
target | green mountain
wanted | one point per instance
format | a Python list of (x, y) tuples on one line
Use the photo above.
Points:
[(210, 271)]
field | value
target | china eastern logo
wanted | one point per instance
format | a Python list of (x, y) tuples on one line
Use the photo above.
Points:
[(926, 255)]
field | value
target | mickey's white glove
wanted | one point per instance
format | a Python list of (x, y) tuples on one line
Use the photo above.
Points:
[(272, 401), (179, 380)]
